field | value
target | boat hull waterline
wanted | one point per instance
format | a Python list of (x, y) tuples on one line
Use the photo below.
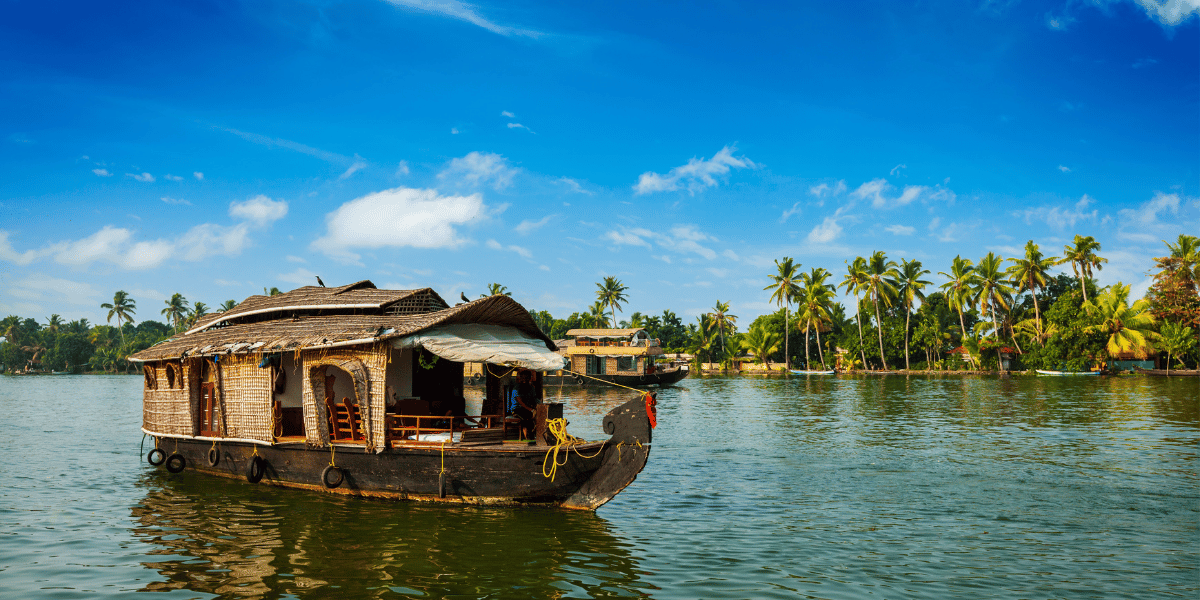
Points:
[(587, 475), (1065, 373)]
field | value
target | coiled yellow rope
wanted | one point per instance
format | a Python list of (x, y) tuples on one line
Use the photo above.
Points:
[(565, 443)]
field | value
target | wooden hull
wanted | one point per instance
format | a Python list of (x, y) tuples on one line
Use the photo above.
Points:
[(1066, 373), (1171, 373), (797, 372), (586, 477)]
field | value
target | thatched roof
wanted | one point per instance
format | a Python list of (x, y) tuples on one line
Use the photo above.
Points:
[(604, 332), (361, 297), (286, 332)]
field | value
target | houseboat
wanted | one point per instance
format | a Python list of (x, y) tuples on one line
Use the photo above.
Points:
[(626, 357), (356, 390)]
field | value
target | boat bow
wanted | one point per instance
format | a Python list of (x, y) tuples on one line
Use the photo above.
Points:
[(624, 454)]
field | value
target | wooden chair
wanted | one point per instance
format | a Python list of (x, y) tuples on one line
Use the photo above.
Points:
[(345, 422)]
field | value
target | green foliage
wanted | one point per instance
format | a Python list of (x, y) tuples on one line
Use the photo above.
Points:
[(1075, 345)]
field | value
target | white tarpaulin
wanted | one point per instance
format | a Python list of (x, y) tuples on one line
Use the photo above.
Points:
[(494, 344)]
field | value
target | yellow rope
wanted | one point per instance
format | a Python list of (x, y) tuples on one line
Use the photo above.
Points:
[(443, 458), (605, 381), (331, 455), (562, 440), (489, 370)]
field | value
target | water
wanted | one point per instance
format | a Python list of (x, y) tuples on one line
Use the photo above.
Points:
[(756, 488)]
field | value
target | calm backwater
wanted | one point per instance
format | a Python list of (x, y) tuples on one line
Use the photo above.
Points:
[(881, 487)]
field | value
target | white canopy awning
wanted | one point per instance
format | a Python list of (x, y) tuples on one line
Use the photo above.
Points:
[(494, 344)]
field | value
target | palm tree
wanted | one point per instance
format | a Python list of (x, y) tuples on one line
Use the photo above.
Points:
[(122, 307), (1186, 251), (1029, 273), (227, 306), (1128, 327), (880, 285), (813, 310), (271, 292), (1083, 258), (762, 343), (199, 309), (722, 321), (958, 289), (910, 284), (54, 323), (176, 309), (596, 316), (611, 293), (1176, 339), (495, 289), (784, 290), (855, 281), (990, 289)]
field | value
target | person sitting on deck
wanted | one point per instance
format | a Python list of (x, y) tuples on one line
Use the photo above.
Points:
[(523, 403)]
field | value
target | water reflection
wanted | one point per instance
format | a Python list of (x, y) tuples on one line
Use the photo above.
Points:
[(232, 540)]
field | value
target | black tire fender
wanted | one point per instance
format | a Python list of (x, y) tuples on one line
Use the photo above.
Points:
[(332, 476), (156, 457), (176, 463), (214, 456), (256, 469)]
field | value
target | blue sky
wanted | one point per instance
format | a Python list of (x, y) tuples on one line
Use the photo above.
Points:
[(214, 149)]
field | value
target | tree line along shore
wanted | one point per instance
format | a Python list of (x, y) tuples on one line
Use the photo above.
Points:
[(991, 314)]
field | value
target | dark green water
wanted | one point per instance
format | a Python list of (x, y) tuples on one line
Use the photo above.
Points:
[(805, 488)]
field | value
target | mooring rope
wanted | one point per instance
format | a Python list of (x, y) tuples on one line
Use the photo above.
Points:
[(564, 442)]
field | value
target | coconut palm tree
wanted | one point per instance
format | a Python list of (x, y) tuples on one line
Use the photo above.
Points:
[(1029, 273), (611, 293), (1129, 328), (1186, 252), (881, 286), (784, 289), (176, 310), (122, 307), (1083, 259), (990, 289), (1176, 339), (910, 285), (271, 292), (761, 343), (813, 310), (722, 321), (227, 306), (54, 323), (596, 316), (958, 289), (199, 309), (855, 281), (495, 289)]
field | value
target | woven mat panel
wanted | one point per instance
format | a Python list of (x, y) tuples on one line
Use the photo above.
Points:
[(165, 409), (367, 365), (247, 395)]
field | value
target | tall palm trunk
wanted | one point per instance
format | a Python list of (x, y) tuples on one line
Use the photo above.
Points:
[(907, 319), (1036, 312), (806, 360), (858, 315), (996, 325), (962, 325), (820, 352), (787, 356), (879, 329)]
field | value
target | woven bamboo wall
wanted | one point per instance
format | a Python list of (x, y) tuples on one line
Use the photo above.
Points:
[(165, 409), (246, 397), (368, 366)]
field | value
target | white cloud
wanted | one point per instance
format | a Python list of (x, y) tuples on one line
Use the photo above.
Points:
[(453, 131), (1144, 224), (794, 210), (463, 12), (300, 276), (105, 244), (896, 169), (479, 168), (102, 172), (630, 237), (520, 126), (528, 226), (718, 272), (900, 229), (573, 186), (402, 169), (296, 259), (144, 177), (543, 267), (354, 167), (208, 239), (198, 175), (522, 252), (872, 190), (1170, 12), (910, 193), (8, 254), (505, 113), (41, 287), (399, 217), (696, 175), (825, 189), (175, 201), (147, 255), (171, 177), (827, 231), (259, 210), (1064, 169), (730, 254), (687, 238), (1059, 217)]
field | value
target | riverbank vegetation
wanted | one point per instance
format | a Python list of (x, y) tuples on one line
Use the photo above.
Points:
[(992, 312)]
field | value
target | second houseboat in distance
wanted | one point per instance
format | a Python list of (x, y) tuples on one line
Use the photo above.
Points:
[(628, 357)]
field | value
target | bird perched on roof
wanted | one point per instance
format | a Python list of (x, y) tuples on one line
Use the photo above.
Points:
[(464, 297), (319, 282)]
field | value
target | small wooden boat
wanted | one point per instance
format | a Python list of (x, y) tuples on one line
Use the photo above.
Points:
[(802, 372), (1065, 373), (1171, 373), (359, 391)]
